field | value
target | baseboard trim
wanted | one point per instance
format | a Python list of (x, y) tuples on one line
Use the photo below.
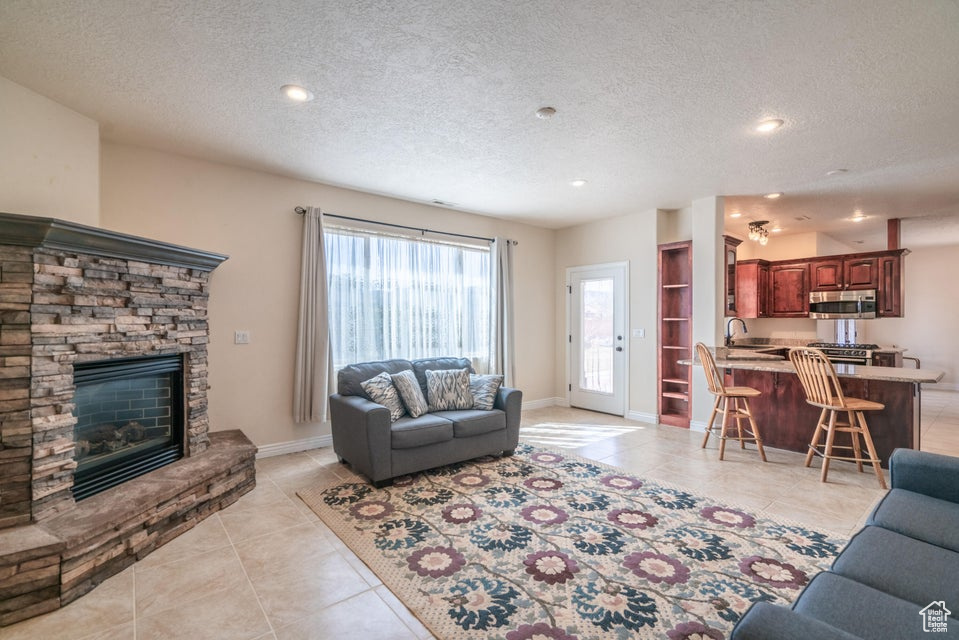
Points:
[(697, 425), (545, 403), (293, 446), (640, 416)]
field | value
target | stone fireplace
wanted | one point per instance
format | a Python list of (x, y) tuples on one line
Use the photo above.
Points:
[(105, 448)]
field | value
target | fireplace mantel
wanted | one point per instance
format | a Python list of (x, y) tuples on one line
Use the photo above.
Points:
[(62, 235)]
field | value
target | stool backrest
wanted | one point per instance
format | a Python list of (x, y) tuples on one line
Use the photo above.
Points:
[(818, 377), (714, 381)]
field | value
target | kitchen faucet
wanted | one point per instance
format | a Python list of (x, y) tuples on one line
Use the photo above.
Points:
[(729, 332)]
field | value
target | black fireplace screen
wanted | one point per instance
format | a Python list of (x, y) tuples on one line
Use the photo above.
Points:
[(129, 419)]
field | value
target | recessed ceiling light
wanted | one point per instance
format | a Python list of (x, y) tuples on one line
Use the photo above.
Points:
[(769, 125), (735, 215), (296, 93), (545, 113), (773, 196), (836, 172), (858, 216), (578, 183), (776, 229)]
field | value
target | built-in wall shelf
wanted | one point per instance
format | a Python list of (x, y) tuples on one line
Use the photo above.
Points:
[(675, 332)]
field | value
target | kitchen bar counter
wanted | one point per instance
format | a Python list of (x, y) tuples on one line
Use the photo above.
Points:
[(787, 421)]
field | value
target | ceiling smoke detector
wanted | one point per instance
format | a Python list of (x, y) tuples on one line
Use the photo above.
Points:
[(545, 113)]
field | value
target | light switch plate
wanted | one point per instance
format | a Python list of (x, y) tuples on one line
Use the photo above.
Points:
[(241, 337), (639, 333)]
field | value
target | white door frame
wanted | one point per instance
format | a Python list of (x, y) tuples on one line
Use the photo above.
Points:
[(567, 293)]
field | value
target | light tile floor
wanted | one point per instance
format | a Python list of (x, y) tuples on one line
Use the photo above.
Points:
[(266, 567)]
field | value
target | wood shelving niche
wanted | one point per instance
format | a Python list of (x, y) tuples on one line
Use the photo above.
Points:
[(675, 332)]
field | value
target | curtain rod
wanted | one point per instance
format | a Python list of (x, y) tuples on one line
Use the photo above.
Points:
[(302, 210)]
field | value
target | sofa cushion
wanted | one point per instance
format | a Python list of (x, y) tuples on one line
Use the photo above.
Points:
[(408, 432), (861, 610), (474, 422), (350, 378), (448, 389), (891, 562), (420, 367), (484, 390), (917, 516), (410, 393), (380, 389)]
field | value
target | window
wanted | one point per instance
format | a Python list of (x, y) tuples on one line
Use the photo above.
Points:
[(398, 297)]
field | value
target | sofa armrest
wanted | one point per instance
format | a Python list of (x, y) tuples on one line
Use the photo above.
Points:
[(766, 621), (930, 474), (510, 401), (361, 435)]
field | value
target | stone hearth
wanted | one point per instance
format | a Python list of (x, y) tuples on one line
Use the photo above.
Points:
[(74, 294)]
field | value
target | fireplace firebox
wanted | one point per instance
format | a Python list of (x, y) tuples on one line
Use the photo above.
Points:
[(130, 419)]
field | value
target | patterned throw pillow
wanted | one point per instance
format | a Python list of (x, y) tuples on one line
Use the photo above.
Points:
[(448, 389), (380, 388), (484, 390), (409, 389)]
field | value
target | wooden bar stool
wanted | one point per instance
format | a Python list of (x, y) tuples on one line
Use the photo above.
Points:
[(732, 403), (818, 378)]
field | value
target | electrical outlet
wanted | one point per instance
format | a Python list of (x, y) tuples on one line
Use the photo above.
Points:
[(241, 337)]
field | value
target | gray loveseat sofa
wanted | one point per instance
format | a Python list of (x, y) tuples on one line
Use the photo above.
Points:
[(364, 437), (897, 578)]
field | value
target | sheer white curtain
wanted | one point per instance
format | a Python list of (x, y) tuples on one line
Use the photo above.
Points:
[(313, 373), (502, 340), (398, 297)]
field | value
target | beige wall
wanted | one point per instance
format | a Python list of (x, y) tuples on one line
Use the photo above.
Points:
[(249, 215), (630, 238), (49, 164)]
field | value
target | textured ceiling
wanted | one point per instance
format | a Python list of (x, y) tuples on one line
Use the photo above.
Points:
[(656, 100)]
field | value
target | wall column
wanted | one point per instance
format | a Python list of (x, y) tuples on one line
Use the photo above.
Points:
[(708, 283)]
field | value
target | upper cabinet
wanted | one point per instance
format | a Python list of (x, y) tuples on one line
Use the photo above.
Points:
[(838, 273), (790, 289), (730, 243), (752, 289), (890, 301), (781, 289)]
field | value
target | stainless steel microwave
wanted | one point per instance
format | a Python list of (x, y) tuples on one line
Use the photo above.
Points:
[(836, 305)]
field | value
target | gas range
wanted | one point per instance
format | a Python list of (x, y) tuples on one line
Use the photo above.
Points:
[(849, 353)]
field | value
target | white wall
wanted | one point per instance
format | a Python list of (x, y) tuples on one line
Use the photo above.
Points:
[(50, 158), (249, 215), (630, 238)]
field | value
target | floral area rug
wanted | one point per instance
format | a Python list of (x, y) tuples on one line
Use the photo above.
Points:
[(548, 545)]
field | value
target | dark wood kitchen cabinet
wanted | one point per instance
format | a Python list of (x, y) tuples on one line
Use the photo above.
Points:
[(752, 289), (838, 273), (730, 308), (890, 303), (789, 282)]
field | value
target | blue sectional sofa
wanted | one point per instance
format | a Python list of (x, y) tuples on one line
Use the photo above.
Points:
[(897, 578)]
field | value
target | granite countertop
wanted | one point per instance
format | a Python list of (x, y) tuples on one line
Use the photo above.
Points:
[(749, 359), (787, 343)]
